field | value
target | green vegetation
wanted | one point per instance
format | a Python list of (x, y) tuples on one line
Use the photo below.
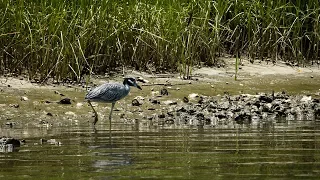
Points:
[(62, 39)]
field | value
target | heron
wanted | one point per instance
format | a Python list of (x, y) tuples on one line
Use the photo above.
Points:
[(110, 93)]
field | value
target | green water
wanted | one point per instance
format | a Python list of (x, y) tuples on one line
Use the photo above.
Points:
[(264, 150)]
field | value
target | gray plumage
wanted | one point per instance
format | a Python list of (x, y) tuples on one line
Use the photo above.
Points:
[(110, 93)]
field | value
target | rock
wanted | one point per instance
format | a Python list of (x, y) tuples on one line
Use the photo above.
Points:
[(14, 105), (243, 118), (164, 92), (244, 109), (170, 102), (70, 113), (65, 101), (264, 98), (306, 99), (155, 93), (135, 102), (154, 101), (201, 100), (24, 98), (161, 116), (49, 114), (169, 121), (79, 104), (193, 96), (185, 100), (9, 144), (141, 79), (10, 124), (57, 92)]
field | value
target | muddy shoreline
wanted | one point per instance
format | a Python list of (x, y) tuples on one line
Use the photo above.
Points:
[(25, 103)]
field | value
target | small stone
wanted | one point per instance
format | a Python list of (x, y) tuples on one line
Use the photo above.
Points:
[(10, 124), (65, 101), (79, 104), (52, 141), (14, 105), (227, 82), (155, 93), (169, 121), (135, 102), (193, 96), (164, 92), (140, 79), (170, 102), (154, 101), (139, 98), (311, 76), (24, 98), (185, 100), (49, 114), (306, 99), (70, 113)]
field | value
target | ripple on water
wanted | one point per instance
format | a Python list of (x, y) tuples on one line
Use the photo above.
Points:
[(263, 150)]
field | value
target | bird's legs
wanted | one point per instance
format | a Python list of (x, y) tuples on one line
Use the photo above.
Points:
[(112, 106), (95, 113), (110, 115)]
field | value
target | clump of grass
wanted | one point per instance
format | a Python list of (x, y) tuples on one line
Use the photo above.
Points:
[(67, 39)]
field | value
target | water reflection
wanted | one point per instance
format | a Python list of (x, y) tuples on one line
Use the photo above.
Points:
[(262, 149)]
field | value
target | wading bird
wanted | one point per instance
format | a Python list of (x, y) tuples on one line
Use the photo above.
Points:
[(110, 93)]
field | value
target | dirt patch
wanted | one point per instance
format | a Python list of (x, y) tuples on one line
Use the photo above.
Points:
[(258, 69)]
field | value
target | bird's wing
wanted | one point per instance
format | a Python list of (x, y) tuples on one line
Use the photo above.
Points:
[(106, 92)]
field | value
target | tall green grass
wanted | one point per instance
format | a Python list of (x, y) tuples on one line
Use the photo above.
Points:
[(65, 39)]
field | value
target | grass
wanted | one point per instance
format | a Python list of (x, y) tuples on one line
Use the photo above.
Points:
[(67, 39)]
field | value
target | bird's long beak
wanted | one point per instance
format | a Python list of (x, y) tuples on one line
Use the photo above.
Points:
[(138, 87)]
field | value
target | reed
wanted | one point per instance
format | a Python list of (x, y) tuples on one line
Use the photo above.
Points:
[(67, 39)]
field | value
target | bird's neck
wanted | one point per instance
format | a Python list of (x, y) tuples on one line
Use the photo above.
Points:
[(127, 87)]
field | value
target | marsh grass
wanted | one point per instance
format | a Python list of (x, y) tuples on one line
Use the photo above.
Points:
[(67, 39)]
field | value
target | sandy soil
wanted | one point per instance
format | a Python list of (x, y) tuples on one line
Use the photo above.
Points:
[(246, 71), (258, 69)]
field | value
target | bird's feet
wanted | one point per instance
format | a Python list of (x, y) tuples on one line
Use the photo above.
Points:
[(95, 120)]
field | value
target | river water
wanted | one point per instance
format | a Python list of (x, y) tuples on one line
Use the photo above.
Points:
[(263, 150)]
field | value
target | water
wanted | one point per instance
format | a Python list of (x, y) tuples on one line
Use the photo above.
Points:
[(265, 150)]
